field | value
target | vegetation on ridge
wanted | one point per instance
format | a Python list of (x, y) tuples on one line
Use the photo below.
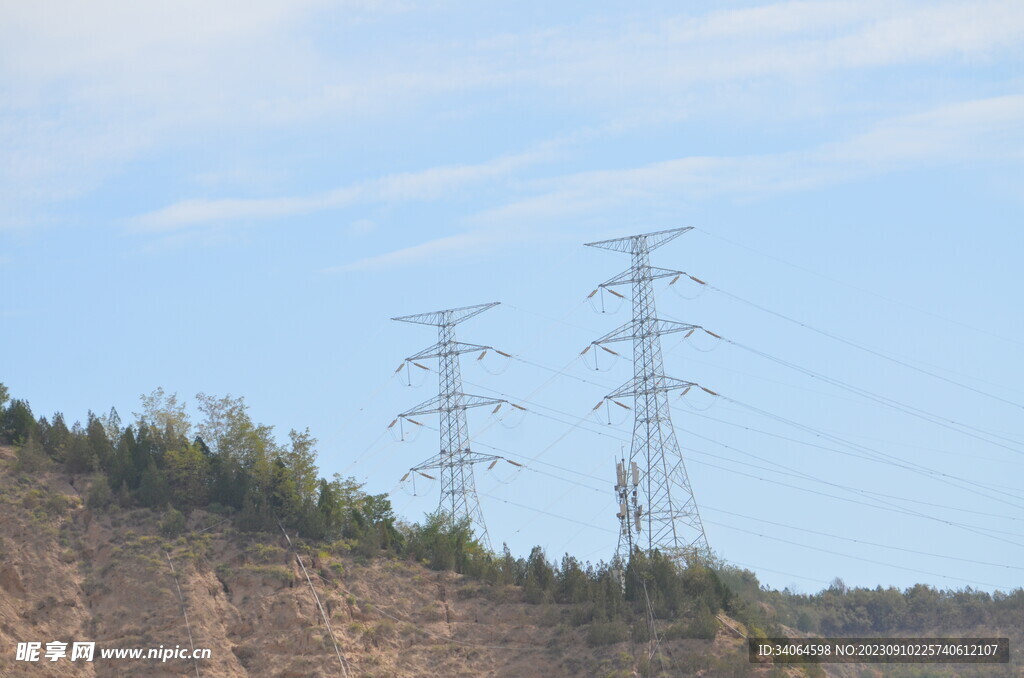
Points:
[(231, 465)]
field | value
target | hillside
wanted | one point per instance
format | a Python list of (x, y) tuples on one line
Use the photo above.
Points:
[(71, 573)]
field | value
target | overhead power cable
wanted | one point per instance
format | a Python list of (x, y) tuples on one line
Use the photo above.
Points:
[(897, 302), (184, 612), (864, 542), (889, 459), (864, 348), (873, 455), (1003, 587), (971, 528), (323, 613), (802, 474), (886, 459)]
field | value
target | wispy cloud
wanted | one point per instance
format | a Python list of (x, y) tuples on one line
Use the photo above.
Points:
[(88, 89), (428, 184), (986, 129), (462, 244)]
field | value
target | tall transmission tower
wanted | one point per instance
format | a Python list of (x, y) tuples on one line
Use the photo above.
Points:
[(664, 514), (455, 460)]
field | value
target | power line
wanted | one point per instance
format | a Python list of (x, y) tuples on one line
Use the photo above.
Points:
[(860, 558), (887, 459), (862, 541), (970, 528), (861, 289), (323, 613), (184, 612), (862, 347), (943, 421)]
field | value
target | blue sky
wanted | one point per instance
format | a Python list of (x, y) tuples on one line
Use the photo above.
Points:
[(235, 197)]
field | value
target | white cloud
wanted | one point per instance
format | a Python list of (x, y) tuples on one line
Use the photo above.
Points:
[(429, 184), (986, 129), (87, 88), (462, 244)]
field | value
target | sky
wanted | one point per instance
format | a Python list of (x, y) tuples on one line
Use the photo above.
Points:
[(235, 198)]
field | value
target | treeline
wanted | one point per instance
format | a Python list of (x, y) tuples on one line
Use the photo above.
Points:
[(842, 611), (226, 463), (229, 464), (615, 599)]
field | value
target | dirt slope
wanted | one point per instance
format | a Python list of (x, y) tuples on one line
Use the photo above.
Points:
[(68, 573)]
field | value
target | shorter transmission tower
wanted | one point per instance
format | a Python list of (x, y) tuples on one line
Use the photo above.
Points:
[(455, 460)]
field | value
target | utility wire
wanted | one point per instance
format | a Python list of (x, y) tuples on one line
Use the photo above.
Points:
[(894, 461), (860, 289), (941, 420), (864, 348), (184, 612), (866, 560), (862, 541), (323, 613)]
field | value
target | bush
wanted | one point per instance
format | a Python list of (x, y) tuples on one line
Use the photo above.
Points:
[(57, 504), (607, 633), (31, 457), (173, 523), (100, 495), (703, 625)]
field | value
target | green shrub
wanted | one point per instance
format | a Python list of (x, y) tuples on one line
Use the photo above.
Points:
[(173, 523), (100, 494), (607, 633)]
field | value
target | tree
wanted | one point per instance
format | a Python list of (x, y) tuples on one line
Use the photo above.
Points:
[(78, 455), (99, 442), (165, 413), (153, 489), (188, 474), (540, 578), (300, 460), (100, 494), (4, 395), (30, 455), (112, 425), (17, 423), (55, 437), (444, 544), (223, 419)]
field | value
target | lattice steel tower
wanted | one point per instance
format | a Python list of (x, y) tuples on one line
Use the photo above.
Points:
[(455, 460), (665, 515)]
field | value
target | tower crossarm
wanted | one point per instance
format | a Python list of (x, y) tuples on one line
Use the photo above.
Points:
[(632, 243), (458, 401), (451, 316), (660, 384), (448, 348), (629, 276), (439, 461), (655, 327)]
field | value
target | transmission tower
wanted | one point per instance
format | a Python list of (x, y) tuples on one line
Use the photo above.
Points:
[(455, 460), (664, 515)]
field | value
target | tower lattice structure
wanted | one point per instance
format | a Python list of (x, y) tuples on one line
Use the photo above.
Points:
[(455, 460), (660, 512)]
